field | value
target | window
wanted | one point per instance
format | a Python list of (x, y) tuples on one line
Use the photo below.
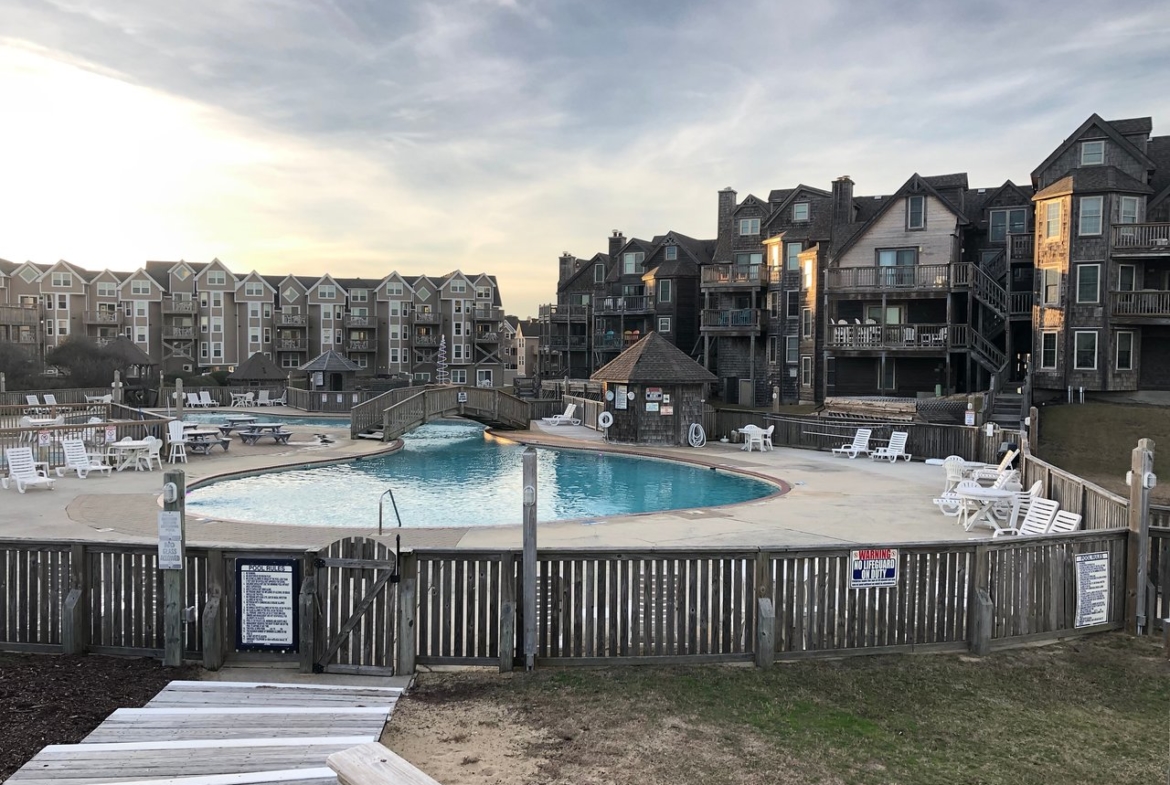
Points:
[(48, 300), (1088, 283), (632, 262), (216, 350), (483, 377), (806, 323), (458, 287), (599, 273), (63, 328), (253, 289), (267, 310), (422, 377), (791, 348), (62, 302), (457, 351), (1051, 284), (217, 299), (664, 324), (670, 252), (394, 355), (394, 289), (203, 350), (1128, 211), (1093, 153), (49, 326), (792, 255), (886, 380), (140, 309), (1125, 351), (916, 212), (792, 307), (216, 278), (29, 274), (359, 360), (289, 360), (140, 337), (203, 324), (128, 307), (773, 348), (1090, 223), (1048, 350), (749, 226), (62, 280), (898, 266), (267, 335), (253, 336), (107, 289), (458, 328), (664, 293), (182, 273), (800, 211), (483, 292), (1085, 350), (806, 371), (253, 310), (1125, 277), (327, 291), (459, 376), (1051, 220), (139, 287), (1005, 222), (217, 324), (203, 300)]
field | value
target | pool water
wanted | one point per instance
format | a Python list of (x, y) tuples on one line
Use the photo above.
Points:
[(219, 418), (453, 474)]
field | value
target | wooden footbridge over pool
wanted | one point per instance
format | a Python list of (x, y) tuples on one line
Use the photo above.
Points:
[(389, 416)]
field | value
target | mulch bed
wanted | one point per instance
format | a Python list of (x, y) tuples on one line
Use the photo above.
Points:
[(50, 699)]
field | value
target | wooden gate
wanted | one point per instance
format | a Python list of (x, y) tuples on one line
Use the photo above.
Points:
[(356, 607)]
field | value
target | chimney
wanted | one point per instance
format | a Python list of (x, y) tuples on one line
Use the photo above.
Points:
[(726, 208), (843, 200), (566, 268), (616, 241)]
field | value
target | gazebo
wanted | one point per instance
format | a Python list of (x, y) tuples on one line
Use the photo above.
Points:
[(258, 371), (654, 392), (330, 372), (135, 366)]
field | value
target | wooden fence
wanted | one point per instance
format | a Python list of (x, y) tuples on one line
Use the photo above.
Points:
[(118, 422), (329, 402), (64, 395)]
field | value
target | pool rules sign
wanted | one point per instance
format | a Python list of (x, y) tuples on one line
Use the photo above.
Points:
[(266, 608)]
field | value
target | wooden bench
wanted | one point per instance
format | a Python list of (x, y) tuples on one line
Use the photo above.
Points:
[(251, 437)]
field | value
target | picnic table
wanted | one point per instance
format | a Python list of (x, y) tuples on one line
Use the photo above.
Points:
[(252, 433), (201, 441)]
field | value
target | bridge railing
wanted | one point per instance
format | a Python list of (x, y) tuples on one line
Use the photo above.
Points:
[(432, 403)]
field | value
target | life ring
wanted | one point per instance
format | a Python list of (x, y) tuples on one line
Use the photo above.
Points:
[(604, 420)]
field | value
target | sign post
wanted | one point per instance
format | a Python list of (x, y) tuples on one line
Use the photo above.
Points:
[(529, 565), (172, 531)]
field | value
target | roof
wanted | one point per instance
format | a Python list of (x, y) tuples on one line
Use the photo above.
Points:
[(1159, 151), (1096, 178), (127, 352), (653, 360), (258, 368), (870, 209), (1133, 125), (1110, 131), (330, 361), (942, 181)]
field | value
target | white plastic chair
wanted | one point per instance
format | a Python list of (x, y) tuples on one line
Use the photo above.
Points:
[(281, 401), (754, 437), (895, 449), (1064, 522), (22, 470), (767, 435), (249, 399), (178, 440), (262, 398), (859, 445), (152, 454), (206, 400), (954, 466), (78, 460), (1041, 513), (563, 419)]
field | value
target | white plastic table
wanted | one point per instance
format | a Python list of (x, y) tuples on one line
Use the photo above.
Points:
[(126, 453), (984, 499)]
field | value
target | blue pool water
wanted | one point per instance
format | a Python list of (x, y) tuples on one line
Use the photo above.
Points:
[(219, 418), (452, 474)]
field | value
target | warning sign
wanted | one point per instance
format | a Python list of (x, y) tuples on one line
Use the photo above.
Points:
[(873, 568)]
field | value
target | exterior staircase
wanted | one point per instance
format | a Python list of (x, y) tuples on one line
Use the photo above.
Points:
[(1005, 412)]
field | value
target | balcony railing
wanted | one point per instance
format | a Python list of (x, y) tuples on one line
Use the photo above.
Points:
[(564, 312), (888, 336), (290, 345), (361, 321), (1020, 303), (1020, 247), (789, 279), (184, 333), (25, 338), (103, 317), (568, 343), (426, 317), (18, 315), (638, 303), (487, 338), (487, 314), (608, 341), (425, 340), (735, 320), (750, 275), (1141, 238), (292, 320), (1150, 303), (922, 277), (359, 346), (171, 305)]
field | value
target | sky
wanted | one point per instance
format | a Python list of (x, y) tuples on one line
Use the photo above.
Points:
[(358, 138)]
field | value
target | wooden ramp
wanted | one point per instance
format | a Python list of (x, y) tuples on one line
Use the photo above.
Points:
[(221, 733)]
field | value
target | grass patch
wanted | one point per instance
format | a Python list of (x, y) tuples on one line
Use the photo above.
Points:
[(1095, 441), (1089, 711)]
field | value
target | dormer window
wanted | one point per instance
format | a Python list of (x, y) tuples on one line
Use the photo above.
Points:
[(1093, 153), (599, 273), (800, 211), (632, 262), (252, 289), (916, 212), (671, 251), (749, 226)]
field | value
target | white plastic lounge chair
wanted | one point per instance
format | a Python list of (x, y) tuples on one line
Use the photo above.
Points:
[(894, 450), (1041, 513), (178, 440), (50, 399), (1064, 522), (32, 400), (23, 471), (859, 445), (563, 419), (78, 460), (281, 401), (206, 400), (193, 401), (989, 473), (950, 503), (262, 398)]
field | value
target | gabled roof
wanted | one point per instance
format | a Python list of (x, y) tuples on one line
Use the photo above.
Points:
[(751, 200), (916, 185), (258, 368), (945, 181), (1109, 131), (143, 275), (254, 276), (1007, 194), (1094, 179), (692, 253), (220, 265), (1133, 126), (326, 278), (1159, 151), (653, 360), (330, 361)]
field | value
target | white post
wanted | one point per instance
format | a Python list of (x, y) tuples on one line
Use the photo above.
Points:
[(172, 535), (178, 399)]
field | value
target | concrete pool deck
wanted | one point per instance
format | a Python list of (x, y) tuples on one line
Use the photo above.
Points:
[(833, 501)]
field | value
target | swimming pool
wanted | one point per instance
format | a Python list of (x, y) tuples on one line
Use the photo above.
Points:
[(452, 474), (218, 418)]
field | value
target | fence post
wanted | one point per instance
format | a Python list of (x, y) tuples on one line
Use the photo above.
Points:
[(117, 385), (308, 608), (528, 459), (1138, 551), (75, 619), (1033, 428), (407, 581), (174, 583), (980, 609), (765, 633), (507, 611), (213, 648)]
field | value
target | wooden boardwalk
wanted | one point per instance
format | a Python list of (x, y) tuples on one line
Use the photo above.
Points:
[(221, 733)]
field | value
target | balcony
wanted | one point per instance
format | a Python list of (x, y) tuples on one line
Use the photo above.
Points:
[(572, 343), (1020, 304), (427, 317), (740, 321), (485, 313), (171, 305), (292, 320), (17, 315), (178, 333), (888, 337), (361, 321), (907, 278), (291, 345), (1140, 306), (425, 340), (734, 276), (609, 306), (25, 338), (564, 313), (487, 337), (103, 317), (788, 279), (360, 346), (1019, 247), (1141, 239), (608, 341)]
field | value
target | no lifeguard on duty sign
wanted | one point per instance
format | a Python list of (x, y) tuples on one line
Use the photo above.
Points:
[(873, 568)]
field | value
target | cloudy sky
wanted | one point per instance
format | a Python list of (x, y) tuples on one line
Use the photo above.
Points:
[(492, 135)]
